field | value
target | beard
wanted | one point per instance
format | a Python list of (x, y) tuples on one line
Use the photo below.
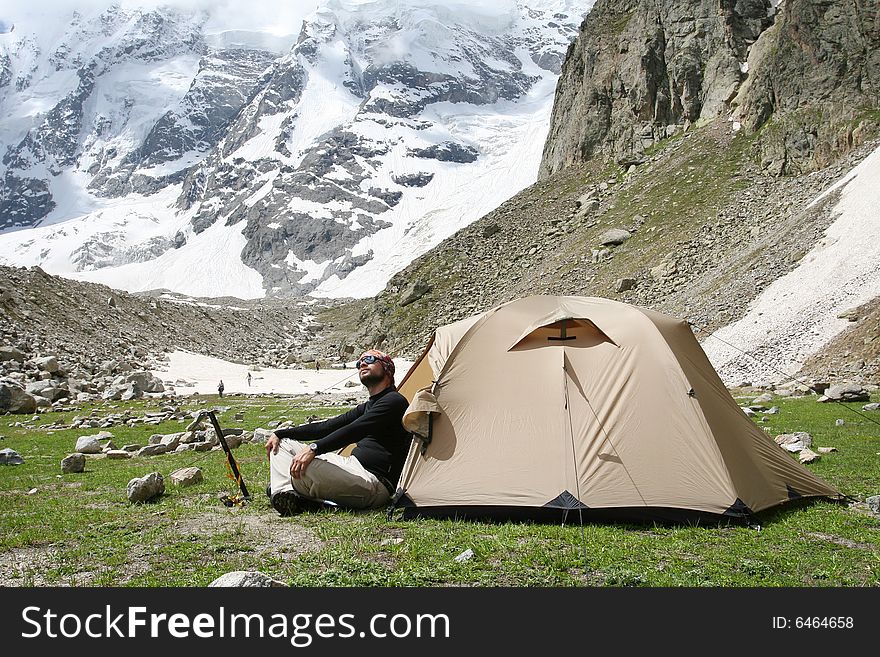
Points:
[(372, 379)]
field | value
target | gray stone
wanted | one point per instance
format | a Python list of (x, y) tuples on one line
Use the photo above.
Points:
[(146, 488), (414, 291), (467, 555), (625, 284), (873, 503), (847, 392), (614, 237), (152, 450), (246, 578), (186, 476), (10, 457), (88, 445), (808, 456), (47, 364), (73, 463), (14, 399), (171, 441), (794, 442), (261, 435), (8, 353)]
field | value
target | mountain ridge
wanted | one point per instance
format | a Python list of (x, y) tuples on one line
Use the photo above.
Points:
[(319, 171)]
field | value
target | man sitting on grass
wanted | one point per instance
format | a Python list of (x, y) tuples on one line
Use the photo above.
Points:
[(303, 474)]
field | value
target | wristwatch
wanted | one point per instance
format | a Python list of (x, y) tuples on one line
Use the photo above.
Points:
[(313, 447)]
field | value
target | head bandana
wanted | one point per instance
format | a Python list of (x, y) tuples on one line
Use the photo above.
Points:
[(384, 358)]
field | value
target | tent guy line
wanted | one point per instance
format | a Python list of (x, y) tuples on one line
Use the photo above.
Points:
[(776, 369)]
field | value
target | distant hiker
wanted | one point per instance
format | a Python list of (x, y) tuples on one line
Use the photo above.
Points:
[(249, 379), (302, 475), (221, 387), (317, 365)]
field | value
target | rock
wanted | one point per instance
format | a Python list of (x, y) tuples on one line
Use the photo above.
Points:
[(261, 435), (73, 463), (664, 270), (839, 422), (414, 292), (794, 442), (490, 229), (624, 284), (8, 353), (233, 441), (467, 555), (614, 237), (871, 407), (47, 364), (249, 578), (117, 454), (826, 450), (14, 399), (847, 392), (146, 488), (152, 450), (873, 503), (88, 445), (186, 477), (808, 456), (171, 441), (763, 399), (10, 457)]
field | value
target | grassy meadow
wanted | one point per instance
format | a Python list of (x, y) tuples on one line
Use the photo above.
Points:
[(80, 529)]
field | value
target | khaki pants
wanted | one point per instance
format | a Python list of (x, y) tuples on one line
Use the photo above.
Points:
[(340, 479)]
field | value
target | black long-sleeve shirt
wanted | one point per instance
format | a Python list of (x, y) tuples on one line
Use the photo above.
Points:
[(375, 425)]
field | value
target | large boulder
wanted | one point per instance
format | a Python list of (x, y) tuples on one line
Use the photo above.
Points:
[(186, 476), (48, 364), (146, 488), (8, 353), (14, 398), (88, 445), (73, 463), (47, 390), (145, 381), (846, 392), (10, 457)]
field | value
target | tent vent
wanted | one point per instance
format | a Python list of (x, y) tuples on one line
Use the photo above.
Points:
[(738, 509), (792, 493), (566, 500), (563, 335)]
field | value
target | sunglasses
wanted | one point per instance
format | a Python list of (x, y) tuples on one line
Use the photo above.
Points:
[(369, 359)]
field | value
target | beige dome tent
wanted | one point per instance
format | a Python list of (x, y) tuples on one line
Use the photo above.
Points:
[(548, 405)]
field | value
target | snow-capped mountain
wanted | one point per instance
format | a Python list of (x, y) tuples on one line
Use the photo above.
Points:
[(150, 149)]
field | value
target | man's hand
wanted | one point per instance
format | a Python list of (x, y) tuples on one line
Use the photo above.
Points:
[(272, 443), (301, 462)]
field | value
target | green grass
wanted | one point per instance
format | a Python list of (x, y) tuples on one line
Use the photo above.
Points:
[(80, 529)]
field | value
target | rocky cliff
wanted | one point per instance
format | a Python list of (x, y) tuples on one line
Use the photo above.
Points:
[(804, 72)]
